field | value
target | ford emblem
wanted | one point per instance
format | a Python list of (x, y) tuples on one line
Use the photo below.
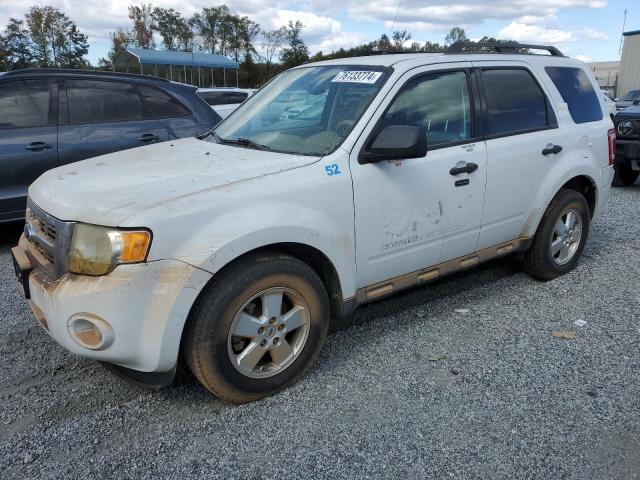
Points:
[(28, 231)]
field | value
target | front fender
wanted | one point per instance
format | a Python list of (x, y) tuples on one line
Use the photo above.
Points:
[(337, 246)]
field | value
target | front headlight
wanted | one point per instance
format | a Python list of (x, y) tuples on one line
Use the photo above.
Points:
[(98, 250), (625, 127)]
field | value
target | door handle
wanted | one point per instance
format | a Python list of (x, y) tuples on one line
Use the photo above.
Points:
[(551, 148), (468, 168), (36, 146), (148, 137)]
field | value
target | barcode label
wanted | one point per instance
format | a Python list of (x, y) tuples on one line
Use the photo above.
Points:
[(357, 77)]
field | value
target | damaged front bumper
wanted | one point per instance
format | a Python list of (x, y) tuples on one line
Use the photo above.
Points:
[(131, 318)]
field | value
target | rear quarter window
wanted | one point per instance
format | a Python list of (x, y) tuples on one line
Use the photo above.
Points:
[(577, 91), (158, 104)]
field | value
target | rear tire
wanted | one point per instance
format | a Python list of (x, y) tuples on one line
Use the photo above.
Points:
[(257, 328), (624, 176), (556, 246)]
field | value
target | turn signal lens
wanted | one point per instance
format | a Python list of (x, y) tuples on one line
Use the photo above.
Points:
[(134, 246)]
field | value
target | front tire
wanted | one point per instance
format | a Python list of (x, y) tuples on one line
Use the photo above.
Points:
[(624, 175), (560, 238), (257, 328)]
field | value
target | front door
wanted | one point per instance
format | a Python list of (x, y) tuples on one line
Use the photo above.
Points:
[(414, 213), (100, 117), (28, 140)]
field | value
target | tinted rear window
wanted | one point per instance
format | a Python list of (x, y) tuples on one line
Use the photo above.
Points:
[(514, 101), (578, 92), (92, 101), (223, 98)]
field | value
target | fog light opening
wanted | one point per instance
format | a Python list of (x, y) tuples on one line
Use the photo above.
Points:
[(90, 331)]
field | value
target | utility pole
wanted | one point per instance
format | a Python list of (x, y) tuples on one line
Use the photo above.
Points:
[(624, 23)]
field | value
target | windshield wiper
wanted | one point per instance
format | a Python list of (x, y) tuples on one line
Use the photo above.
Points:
[(204, 135), (242, 142)]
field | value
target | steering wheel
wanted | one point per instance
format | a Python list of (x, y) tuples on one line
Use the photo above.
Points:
[(344, 127)]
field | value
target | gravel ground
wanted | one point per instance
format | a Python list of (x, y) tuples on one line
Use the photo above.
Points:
[(457, 380)]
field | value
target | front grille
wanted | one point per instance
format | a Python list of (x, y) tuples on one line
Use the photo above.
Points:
[(49, 239), (46, 254), (41, 226)]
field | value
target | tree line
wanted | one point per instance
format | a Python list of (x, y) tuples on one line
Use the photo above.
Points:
[(47, 37)]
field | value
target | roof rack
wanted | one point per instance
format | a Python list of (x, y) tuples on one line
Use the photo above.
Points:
[(464, 47), (44, 71)]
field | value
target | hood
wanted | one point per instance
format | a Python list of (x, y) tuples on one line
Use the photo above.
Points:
[(620, 104), (630, 112), (106, 190)]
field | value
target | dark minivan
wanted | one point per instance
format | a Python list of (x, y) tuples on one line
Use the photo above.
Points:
[(50, 118)]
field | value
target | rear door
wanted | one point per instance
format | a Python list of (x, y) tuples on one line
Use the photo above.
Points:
[(103, 116), (521, 132), (28, 139)]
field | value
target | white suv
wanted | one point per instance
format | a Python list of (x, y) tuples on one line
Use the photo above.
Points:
[(233, 251)]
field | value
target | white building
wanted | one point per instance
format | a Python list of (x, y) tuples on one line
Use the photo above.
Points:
[(606, 74), (629, 76)]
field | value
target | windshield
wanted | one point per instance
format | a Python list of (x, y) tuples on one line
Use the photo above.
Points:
[(307, 111), (631, 96)]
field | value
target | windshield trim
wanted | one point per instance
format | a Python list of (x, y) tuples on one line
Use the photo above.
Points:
[(387, 72)]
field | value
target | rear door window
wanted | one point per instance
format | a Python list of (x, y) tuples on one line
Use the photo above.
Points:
[(514, 102), (578, 93), (158, 104), (24, 103), (95, 101)]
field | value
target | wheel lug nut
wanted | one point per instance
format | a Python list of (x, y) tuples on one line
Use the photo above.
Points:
[(263, 343), (273, 320), (261, 330), (276, 341), (280, 327)]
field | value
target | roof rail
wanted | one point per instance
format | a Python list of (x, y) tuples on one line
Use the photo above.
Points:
[(464, 47), (71, 71), (471, 47)]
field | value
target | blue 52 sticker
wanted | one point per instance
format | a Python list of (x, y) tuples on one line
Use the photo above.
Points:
[(332, 169)]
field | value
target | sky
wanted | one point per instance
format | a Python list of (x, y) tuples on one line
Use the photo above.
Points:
[(589, 30)]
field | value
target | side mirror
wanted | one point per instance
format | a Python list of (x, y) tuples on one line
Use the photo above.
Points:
[(396, 142)]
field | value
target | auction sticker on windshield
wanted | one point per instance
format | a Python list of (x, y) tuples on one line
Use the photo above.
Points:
[(357, 77)]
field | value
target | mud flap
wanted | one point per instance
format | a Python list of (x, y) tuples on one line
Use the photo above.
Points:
[(22, 267), (141, 379)]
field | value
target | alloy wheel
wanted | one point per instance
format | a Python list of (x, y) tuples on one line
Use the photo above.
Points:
[(268, 333), (566, 237)]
